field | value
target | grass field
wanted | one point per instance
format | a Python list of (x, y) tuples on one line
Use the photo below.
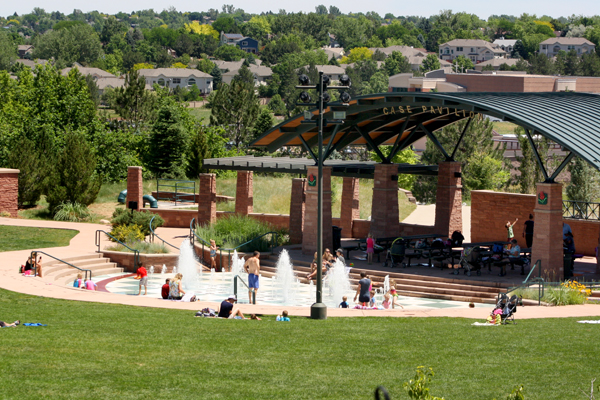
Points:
[(102, 351), (504, 128), (20, 238)]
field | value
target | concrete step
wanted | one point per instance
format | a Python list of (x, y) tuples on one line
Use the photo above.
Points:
[(412, 293), (83, 263), (472, 292), (68, 271), (68, 279), (47, 261)]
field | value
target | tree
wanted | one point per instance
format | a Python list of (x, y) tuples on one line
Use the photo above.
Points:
[(264, 122), (31, 159), (519, 50), (477, 140), (205, 65), (112, 27), (396, 63), (585, 181), (244, 75), (379, 83), (235, 107), (540, 64), (217, 77), (529, 170), (8, 51), (133, 102), (484, 172), (357, 54), (205, 29), (74, 177), (405, 156), (229, 52), (462, 64), (79, 43), (168, 141), (276, 105), (258, 27), (430, 63), (196, 152)]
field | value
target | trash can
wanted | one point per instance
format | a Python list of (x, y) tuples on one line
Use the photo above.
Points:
[(337, 238)]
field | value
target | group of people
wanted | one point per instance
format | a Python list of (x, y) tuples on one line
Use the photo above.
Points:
[(88, 284), (327, 260), (568, 240), (366, 295)]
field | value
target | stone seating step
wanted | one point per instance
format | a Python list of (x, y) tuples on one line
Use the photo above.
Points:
[(82, 263), (411, 293), (69, 271), (50, 261), (68, 279)]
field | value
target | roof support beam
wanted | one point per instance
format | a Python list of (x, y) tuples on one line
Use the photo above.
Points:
[(461, 137), (373, 145), (537, 155), (335, 145), (435, 141), (327, 152), (400, 132), (308, 148), (561, 167)]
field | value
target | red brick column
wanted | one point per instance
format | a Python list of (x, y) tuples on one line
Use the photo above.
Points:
[(349, 211), (547, 236), (244, 198), (598, 256), (384, 209), (207, 199), (135, 187), (309, 235), (9, 191), (448, 204), (297, 206)]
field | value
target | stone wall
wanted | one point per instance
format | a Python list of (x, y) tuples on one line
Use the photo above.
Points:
[(126, 260), (491, 210), (9, 191), (174, 218), (189, 197)]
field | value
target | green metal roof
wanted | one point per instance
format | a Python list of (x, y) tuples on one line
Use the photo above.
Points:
[(567, 118)]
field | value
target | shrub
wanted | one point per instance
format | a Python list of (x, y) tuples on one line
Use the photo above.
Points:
[(567, 293), (142, 247), (72, 212), (140, 218), (127, 233), (235, 230)]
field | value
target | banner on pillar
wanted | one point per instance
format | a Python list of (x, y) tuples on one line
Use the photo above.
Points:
[(543, 198), (312, 180)]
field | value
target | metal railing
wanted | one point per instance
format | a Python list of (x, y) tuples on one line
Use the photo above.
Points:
[(136, 253), (178, 195), (153, 235), (581, 210), (235, 288), (535, 281), (194, 235), (34, 254)]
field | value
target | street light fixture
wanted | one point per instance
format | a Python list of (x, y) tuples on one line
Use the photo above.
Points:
[(319, 310)]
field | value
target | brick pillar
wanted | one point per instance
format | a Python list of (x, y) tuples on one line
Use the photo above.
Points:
[(309, 235), (244, 200), (207, 199), (297, 206), (547, 235), (349, 211), (384, 209), (598, 256), (9, 191), (135, 187), (448, 204)]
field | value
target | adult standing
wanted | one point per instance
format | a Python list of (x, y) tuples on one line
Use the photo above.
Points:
[(340, 256), (362, 291), (566, 230), (528, 231), (252, 267)]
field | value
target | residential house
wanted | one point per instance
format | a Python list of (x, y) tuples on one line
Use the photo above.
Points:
[(433, 81), (475, 49), (178, 77), (333, 52), (508, 45), (247, 44), (226, 66), (31, 63), (415, 56), (261, 74), (95, 73), (112, 83), (333, 71), (496, 63), (552, 46), (24, 49)]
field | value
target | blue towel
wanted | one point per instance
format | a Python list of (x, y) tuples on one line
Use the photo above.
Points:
[(33, 324)]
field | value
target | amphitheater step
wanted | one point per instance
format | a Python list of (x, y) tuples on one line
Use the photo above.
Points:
[(50, 261), (83, 264)]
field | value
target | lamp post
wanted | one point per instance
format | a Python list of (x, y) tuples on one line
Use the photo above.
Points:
[(319, 310)]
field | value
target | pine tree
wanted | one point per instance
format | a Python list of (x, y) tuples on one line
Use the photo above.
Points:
[(31, 160), (584, 184), (74, 179), (133, 102), (217, 77), (244, 75), (197, 151)]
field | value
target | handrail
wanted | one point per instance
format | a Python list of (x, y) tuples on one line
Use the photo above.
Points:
[(204, 242), (34, 254), (581, 210), (235, 279), (136, 253), (154, 234), (538, 280)]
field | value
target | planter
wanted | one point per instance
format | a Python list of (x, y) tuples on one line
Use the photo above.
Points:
[(126, 260)]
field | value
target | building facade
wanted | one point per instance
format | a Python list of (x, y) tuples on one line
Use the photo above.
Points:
[(474, 49), (552, 46)]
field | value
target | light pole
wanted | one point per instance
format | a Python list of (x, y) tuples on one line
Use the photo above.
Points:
[(319, 310)]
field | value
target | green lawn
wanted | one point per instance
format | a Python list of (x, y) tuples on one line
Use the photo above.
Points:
[(20, 238), (504, 128), (103, 351)]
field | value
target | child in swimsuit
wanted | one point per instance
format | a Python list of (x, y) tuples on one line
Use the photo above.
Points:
[(392, 292), (213, 254)]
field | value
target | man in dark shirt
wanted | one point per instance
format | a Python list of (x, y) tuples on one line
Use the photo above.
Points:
[(227, 311), (165, 289), (528, 231), (362, 291)]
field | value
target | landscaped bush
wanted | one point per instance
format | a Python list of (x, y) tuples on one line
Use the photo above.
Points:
[(567, 293), (127, 234), (235, 230), (141, 219), (142, 247), (72, 212)]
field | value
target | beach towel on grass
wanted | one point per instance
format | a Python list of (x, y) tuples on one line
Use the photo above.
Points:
[(483, 324), (590, 322), (33, 324)]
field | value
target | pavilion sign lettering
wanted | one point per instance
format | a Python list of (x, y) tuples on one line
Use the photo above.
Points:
[(430, 109)]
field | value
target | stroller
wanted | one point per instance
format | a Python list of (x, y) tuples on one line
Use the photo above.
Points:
[(508, 307), (470, 260), (395, 255)]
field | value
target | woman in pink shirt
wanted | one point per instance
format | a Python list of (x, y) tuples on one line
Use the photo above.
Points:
[(370, 248)]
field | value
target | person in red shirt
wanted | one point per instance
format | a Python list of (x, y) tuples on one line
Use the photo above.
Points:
[(142, 275), (165, 290)]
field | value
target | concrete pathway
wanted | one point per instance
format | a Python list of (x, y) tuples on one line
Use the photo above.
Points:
[(83, 243), (425, 215)]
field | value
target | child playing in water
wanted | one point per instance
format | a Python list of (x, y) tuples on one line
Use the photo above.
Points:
[(386, 303), (344, 303), (213, 254), (392, 292), (373, 302)]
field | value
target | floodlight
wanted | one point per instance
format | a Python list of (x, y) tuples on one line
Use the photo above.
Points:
[(303, 79), (304, 97)]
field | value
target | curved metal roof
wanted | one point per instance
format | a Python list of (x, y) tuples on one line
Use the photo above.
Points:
[(567, 118)]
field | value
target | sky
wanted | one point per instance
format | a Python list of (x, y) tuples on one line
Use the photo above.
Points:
[(483, 9)]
